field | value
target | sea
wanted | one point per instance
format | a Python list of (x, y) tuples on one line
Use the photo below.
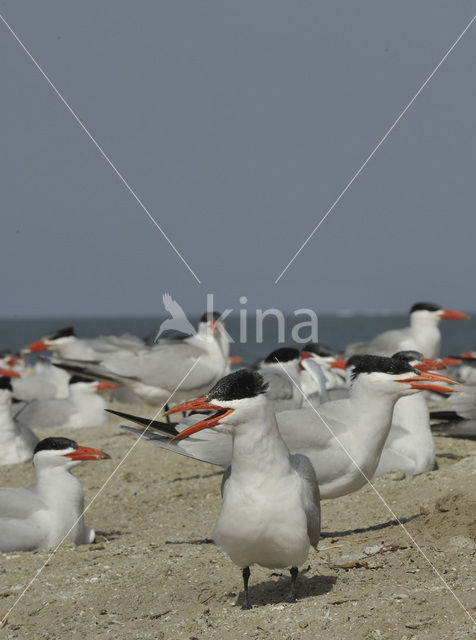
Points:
[(335, 330)]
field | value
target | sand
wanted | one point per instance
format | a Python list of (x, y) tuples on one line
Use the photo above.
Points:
[(156, 575)]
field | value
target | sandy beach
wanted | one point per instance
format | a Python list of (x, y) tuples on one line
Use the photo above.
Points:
[(154, 573)]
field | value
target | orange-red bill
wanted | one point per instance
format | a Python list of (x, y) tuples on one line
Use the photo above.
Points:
[(452, 362), (9, 373), (339, 363), (34, 347), (87, 453), (107, 385), (469, 354), (236, 359), (424, 381), (449, 314), (200, 404), (429, 364), (12, 360)]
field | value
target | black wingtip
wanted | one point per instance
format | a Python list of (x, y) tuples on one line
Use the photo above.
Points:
[(161, 427)]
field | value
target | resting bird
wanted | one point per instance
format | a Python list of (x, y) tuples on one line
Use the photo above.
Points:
[(422, 335), (43, 515)]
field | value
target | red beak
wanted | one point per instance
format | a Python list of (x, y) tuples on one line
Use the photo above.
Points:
[(9, 373), (12, 361), (236, 359), (469, 354), (452, 362), (107, 385), (339, 363), (448, 314), (424, 379), (34, 347), (200, 404), (428, 364), (87, 453)]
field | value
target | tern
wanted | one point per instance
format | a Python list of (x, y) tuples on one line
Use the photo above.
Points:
[(83, 407), (17, 442), (343, 439), (44, 382), (422, 335), (50, 511), (270, 513), (179, 368), (66, 344), (409, 445)]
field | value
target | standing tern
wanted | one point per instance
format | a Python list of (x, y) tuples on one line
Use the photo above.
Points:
[(185, 368), (50, 511), (422, 335), (343, 439), (83, 407), (270, 513), (17, 441)]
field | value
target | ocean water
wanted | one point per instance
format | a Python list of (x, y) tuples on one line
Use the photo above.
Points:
[(334, 330)]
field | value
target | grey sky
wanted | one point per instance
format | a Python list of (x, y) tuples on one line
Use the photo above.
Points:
[(237, 124)]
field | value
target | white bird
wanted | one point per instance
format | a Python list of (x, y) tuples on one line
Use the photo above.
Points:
[(343, 439), (422, 335), (17, 442), (170, 371), (271, 511), (66, 344), (409, 445), (43, 515), (83, 407), (42, 383)]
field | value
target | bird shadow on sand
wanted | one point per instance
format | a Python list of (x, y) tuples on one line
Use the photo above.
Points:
[(277, 591), (374, 527)]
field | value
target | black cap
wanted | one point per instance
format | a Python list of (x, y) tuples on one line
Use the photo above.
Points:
[(55, 444), (77, 378), (321, 350), (409, 356), (209, 316), (371, 364), (285, 354), (425, 306), (244, 383), (60, 333)]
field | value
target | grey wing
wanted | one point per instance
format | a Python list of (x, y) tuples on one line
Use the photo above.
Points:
[(43, 414), (312, 502), (217, 453), (19, 529), (166, 365)]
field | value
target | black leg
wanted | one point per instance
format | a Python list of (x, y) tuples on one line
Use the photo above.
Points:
[(167, 417), (246, 577), (294, 575)]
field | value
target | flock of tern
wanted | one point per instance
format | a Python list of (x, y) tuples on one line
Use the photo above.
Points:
[(297, 427)]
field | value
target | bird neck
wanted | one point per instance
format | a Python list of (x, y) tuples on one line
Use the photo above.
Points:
[(427, 334), (258, 448), (373, 413), (59, 488)]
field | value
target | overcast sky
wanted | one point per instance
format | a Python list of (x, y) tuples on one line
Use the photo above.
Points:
[(237, 124)]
